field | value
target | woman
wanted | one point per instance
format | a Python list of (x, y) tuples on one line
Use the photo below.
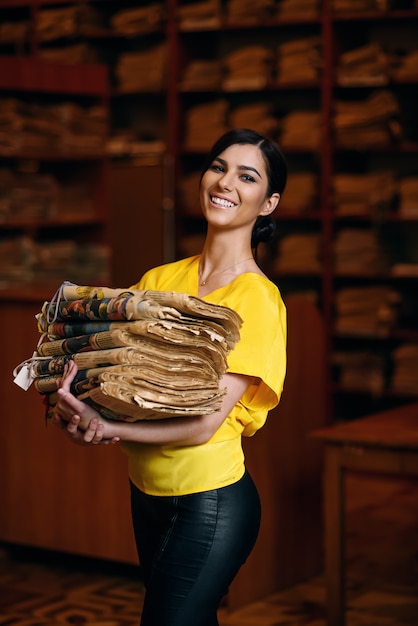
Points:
[(195, 509)]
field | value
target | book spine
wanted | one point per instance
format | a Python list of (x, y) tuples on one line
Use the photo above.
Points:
[(72, 345), (94, 309), (64, 329)]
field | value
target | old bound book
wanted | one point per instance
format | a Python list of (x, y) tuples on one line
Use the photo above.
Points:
[(140, 354)]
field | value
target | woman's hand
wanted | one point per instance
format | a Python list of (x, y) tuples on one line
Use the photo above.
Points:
[(93, 434), (81, 423)]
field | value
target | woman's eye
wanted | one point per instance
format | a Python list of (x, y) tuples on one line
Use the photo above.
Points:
[(248, 178), (217, 168)]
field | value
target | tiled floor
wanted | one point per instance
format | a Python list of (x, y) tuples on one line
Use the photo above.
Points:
[(39, 589)]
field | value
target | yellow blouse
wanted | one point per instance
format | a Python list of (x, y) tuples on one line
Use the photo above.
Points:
[(260, 353)]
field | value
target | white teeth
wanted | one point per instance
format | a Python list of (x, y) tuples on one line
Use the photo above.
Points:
[(222, 202)]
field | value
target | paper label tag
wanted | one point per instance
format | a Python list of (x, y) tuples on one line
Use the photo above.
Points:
[(24, 378)]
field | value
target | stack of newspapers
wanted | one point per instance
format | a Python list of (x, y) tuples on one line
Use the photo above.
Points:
[(140, 354)]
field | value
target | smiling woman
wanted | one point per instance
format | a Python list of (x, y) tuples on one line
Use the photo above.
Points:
[(195, 508), (242, 181)]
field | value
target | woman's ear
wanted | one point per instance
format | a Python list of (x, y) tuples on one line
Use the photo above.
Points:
[(270, 204)]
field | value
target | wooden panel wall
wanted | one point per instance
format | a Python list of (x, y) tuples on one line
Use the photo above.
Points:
[(54, 494), (138, 233)]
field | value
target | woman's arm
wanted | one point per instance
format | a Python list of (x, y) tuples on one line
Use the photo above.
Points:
[(85, 424)]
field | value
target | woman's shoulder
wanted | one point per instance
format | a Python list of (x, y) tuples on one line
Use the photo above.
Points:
[(253, 291), (254, 283)]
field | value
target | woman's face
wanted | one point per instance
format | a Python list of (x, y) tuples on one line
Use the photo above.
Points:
[(234, 187)]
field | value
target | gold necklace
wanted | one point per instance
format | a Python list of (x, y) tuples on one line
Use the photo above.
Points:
[(202, 282)]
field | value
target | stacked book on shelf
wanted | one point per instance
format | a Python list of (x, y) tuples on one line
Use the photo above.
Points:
[(65, 22), (301, 193), (249, 11), (203, 14), (256, 115), (360, 370), (248, 67), (371, 122), (138, 20), (299, 60), (370, 310), (298, 8), (371, 194), (405, 369), (64, 128), (24, 260), (203, 122), (361, 251), (298, 252), (408, 197), (142, 70)]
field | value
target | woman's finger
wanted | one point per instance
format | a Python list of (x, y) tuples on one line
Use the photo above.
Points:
[(72, 425), (70, 371), (90, 431)]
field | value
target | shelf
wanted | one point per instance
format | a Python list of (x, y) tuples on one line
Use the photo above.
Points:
[(68, 184), (54, 157), (405, 147), (11, 4), (318, 95), (53, 222), (388, 84), (29, 74), (302, 273), (387, 15), (386, 393), (383, 277), (394, 334), (162, 112), (270, 23), (284, 216), (373, 219), (271, 88)]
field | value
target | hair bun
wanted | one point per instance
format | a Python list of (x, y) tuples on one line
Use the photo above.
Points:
[(263, 231)]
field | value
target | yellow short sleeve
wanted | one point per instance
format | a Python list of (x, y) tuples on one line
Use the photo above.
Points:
[(261, 351)]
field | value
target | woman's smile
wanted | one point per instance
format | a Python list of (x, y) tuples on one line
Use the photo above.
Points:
[(222, 202)]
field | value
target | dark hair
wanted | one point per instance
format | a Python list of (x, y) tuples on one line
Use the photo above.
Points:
[(276, 168)]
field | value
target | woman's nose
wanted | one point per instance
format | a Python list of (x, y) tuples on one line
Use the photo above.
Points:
[(226, 183)]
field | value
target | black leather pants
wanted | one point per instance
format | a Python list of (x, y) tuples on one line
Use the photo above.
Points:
[(190, 549)]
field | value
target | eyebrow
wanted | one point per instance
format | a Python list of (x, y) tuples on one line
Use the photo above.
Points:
[(240, 167)]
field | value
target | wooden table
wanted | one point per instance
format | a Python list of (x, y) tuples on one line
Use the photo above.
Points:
[(385, 443)]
